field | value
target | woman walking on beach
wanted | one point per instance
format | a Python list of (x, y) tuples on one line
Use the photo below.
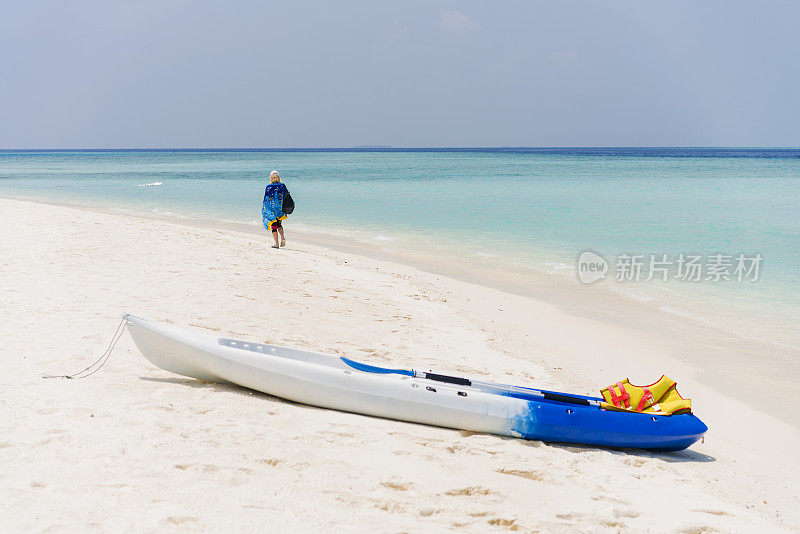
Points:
[(272, 211)]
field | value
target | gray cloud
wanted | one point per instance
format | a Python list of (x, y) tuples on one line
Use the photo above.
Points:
[(458, 22)]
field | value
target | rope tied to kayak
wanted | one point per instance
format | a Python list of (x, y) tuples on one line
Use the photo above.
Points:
[(101, 361)]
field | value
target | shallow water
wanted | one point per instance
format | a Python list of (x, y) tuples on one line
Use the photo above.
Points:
[(505, 209)]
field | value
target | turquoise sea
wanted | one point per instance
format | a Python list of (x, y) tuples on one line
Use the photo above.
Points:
[(517, 209)]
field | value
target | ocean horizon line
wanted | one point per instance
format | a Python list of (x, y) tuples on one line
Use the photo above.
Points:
[(674, 151)]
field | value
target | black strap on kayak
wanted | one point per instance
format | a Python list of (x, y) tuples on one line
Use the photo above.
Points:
[(549, 395), (566, 398), (92, 369), (449, 379)]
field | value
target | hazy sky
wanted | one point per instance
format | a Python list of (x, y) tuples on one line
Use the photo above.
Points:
[(180, 73)]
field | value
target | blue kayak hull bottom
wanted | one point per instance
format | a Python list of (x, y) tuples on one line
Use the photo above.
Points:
[(589, 424)]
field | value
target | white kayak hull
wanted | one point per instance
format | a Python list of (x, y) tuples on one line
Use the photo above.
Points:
[(332, 384)]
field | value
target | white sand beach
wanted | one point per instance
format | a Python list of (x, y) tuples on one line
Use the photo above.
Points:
[(136, 448)]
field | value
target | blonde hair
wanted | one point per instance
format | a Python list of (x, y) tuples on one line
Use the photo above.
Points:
[(274, 177)]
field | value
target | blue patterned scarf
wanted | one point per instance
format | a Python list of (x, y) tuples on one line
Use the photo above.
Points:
[(272, 209)]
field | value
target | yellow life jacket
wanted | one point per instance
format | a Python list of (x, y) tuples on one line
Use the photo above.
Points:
[(660, 397)]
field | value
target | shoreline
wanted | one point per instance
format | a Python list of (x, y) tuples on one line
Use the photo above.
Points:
[(545, 275), (169, 445), (715, 354)]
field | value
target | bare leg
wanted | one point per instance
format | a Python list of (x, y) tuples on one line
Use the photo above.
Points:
[(275, 237), (283, 238)]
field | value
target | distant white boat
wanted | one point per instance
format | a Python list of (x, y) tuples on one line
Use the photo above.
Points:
[(153, 183)]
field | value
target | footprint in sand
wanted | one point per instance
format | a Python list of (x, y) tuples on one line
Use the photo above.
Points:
[(180, 520), (427, 512), (342, 434), (626, 513), (524, 473), (571, 516), (712, 512), (700, 529), (606, 498), (470, 491), (396, 486), (392, 507), (510, 524), (635, 462), (479, 514)]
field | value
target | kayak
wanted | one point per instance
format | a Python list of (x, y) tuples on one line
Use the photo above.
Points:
[(343, 384)]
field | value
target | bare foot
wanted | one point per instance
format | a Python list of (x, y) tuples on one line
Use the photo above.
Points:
[(283, 242), (274, 246)]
